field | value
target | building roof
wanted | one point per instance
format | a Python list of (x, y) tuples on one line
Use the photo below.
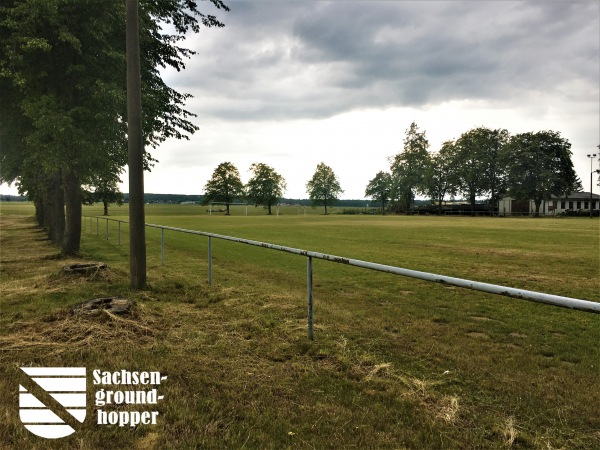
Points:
[(578, 196), (573, 196)]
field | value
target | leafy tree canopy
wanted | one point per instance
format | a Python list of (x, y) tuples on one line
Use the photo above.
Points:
[(442, 176), (479, 164), (379, 188), (324, 187), (224, 186), (409, 168), (540, 166), (63, 81), (266, 186)]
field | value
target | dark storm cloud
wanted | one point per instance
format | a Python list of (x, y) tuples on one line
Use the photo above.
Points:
[(283, 60)]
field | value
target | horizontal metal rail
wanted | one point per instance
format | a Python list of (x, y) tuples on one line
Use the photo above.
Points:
[(565, 302), (539, 297)]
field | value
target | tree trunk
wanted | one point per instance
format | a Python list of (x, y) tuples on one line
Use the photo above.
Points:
[(72, 238), (135, 141), (226, 209), (55, 205), (410, 201), (46, 210), (269, 207), (105, 207), (39, 210), (537, 207)]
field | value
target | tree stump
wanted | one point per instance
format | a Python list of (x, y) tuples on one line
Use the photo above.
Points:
[(83, 269), (114, 305)]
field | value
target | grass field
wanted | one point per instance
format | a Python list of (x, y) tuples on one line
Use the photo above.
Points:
[(396, 362)]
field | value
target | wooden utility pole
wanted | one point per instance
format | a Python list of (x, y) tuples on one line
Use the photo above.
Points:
[(137, 231)]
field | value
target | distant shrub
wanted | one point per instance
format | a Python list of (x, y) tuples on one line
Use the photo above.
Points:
[(580, 213), (356, 211)]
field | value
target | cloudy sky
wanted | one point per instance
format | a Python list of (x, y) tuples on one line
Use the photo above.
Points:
[(295, 83)]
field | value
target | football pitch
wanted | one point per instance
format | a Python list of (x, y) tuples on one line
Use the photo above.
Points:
[(396, 362)]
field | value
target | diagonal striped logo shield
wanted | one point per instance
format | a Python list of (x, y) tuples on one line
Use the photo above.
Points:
[(55, 397)]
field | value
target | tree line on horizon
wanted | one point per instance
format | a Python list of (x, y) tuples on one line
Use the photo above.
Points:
[(266, 186), (482, 162)]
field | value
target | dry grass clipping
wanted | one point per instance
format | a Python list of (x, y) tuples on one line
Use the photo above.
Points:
[(383, 367), (66, 331), (448, 409), (510, 432)]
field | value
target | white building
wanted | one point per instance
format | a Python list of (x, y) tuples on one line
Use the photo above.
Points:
[(576, 202)]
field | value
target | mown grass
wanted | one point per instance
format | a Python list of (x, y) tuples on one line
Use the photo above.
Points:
[(397, 363)]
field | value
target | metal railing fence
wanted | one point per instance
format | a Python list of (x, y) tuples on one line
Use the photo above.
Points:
[(539, 297)]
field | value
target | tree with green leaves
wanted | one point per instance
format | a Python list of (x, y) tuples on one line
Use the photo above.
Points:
[(103, 190), (495, 165), (539, 167), (409, 168), (265, 187), (480, 166), (63, 67), (379, 189), (441, 177), (469, 162), (324, 187), (576, 187), (224, 186), (58, 56)]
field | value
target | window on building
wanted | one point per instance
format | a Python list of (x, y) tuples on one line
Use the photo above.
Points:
[(570, 205), (578, 205), (586, 205), (563, 205)]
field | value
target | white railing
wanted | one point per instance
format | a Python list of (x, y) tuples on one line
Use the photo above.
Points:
[(539, 297)]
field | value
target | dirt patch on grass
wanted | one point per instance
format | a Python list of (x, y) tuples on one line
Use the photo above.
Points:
[(518, 335), (478, 335), (480, 318)]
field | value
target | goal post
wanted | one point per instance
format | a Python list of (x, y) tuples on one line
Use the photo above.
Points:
[(211, 204)]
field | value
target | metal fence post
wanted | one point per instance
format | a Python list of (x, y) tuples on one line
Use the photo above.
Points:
[(209, 261), (162, 246), (309, 288), (107, 229)]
